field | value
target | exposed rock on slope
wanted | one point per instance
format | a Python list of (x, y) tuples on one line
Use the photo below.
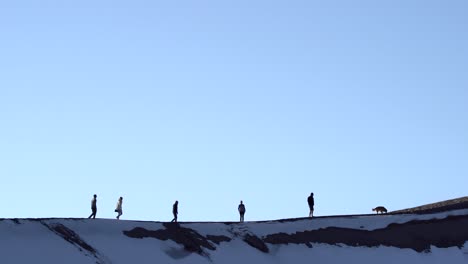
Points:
[(453, 204), (71, 237), (189, 238), (418, 235)]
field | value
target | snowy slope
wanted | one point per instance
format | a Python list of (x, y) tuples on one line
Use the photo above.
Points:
[(403, 239)]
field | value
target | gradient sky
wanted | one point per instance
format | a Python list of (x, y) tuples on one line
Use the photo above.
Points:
[(211, 102)]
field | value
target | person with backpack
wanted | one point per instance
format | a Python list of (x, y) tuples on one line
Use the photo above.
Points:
[(175, 211), (93, 207), (241, 209), (310, 201), (118, 208)]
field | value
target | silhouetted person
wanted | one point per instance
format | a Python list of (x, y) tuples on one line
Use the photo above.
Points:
[(310, 201), (175, 211), (93, 207), (118, 208), (241, 209)]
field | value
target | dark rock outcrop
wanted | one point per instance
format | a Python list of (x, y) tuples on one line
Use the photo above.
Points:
[(256, 242), (218, 239), (71, 237), (418, 235), (189, 238), (448, 205)]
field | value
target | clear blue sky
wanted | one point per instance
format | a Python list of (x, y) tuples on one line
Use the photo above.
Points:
[(211, 102)]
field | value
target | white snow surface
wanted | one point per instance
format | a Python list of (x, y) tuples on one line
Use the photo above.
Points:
[(30, 241)]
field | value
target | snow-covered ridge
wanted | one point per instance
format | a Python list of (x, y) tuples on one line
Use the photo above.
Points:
[(428, 238)]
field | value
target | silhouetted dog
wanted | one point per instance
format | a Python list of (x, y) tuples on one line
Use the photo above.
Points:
[(380, 209)]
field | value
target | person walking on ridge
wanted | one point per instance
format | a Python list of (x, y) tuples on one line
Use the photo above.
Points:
[(310, 201), (93, 207), (241, 209), (175, 211), (118, 208)]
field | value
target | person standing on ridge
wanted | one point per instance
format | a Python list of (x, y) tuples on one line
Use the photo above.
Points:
[(93, 207), (310, 201), (241, 209), (175, 211), (118, 208)]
